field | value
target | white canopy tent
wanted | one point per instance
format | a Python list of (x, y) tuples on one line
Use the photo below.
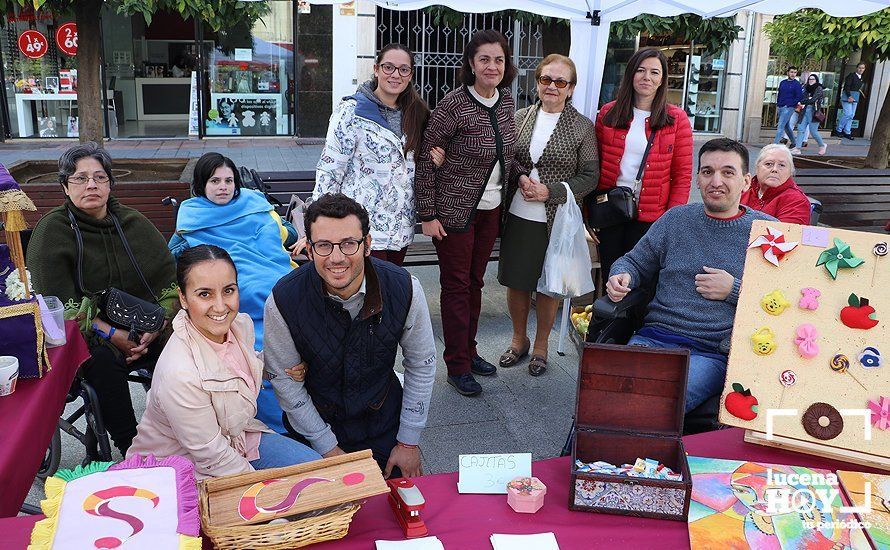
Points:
[(591, 19)]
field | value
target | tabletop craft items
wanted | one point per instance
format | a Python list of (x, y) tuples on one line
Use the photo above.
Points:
[(21, 328), (812, 371), (630, 403), (142, 503)]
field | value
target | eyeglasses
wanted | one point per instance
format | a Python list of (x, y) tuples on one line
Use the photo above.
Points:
[(546, 81), (100, 179), (217, 181), (347, 246), (389, 68)]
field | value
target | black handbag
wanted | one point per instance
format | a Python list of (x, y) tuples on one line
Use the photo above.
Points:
[(121, 309), (618, 204)]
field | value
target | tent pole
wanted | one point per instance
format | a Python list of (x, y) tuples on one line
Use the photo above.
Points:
[(590, 38)]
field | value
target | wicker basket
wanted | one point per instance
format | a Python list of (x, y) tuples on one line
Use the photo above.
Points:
[(282, 536)]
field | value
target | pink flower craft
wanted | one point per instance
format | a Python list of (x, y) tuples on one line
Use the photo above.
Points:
[(806, 341), (880, 412)]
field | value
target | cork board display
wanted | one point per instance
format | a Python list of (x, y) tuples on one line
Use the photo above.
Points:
[(812, 334)]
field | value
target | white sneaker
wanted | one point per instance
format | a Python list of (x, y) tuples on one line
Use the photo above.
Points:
[(823, 149), (795, 151)]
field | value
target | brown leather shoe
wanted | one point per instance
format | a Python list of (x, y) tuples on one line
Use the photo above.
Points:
[(537, 366), (512, 356)]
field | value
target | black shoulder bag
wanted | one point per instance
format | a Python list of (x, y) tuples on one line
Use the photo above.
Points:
[(118, 308), (618, 204)]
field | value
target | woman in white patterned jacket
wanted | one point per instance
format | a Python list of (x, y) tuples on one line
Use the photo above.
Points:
[(369, 152)]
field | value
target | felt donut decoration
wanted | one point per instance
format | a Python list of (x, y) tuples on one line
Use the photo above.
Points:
[(822, 421)]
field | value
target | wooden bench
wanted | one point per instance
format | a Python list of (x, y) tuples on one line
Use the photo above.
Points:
[(145, 197), (282, 185), (858, 200)]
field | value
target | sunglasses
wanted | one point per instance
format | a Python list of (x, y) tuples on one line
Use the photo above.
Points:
[(546, 81)]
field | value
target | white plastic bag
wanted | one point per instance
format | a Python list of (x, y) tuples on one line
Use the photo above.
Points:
[(566, 272)]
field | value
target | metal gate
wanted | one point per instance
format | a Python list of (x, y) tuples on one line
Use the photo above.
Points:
[(438, 49)]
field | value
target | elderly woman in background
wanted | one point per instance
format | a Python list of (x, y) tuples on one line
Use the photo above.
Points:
[(559, 145), (459, 203), (773, 190), (78, 250)]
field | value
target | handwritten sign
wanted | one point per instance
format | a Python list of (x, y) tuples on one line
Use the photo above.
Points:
[(491, 473)]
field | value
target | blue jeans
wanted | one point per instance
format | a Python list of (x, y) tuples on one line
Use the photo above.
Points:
[(277, 451), (845, 124), (706, 372), (785, 114), (806, 120)]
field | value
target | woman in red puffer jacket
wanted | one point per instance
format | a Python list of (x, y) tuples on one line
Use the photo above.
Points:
[(623, 128)]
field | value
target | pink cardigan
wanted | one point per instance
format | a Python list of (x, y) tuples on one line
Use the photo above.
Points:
[(197, 407)]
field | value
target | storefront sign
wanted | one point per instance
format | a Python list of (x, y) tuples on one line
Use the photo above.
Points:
[(243, 54), (718, 64), (33, 44), (491, 473), (66, 38), (245, 115)]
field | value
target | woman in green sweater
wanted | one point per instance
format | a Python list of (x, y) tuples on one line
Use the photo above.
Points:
[(52, 258)]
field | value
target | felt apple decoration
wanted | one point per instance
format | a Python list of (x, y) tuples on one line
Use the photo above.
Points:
[(858, 314), (740, 403)]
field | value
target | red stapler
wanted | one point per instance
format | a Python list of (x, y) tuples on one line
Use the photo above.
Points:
[(407, 502)]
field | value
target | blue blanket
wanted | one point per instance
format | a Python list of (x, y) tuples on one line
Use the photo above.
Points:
[(246, 229)]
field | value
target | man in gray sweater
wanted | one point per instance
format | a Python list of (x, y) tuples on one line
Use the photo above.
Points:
[(698, 254), (332, 331)]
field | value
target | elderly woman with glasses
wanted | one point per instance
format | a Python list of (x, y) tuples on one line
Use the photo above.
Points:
[(77, 251), (557, 144), (773, 190), (243, 223), (370, 151)]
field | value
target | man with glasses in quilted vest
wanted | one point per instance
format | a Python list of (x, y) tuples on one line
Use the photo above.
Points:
[(333, 328)]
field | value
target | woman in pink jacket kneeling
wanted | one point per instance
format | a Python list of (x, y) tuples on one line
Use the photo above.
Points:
[(202, 402)]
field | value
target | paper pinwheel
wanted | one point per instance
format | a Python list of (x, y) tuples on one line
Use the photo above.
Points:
[(838, 256), (773, 245), (880, 412)]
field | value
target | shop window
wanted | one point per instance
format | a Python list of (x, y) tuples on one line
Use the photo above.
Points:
[(695, 78), (829, 73), (40, 79), (249, 74)]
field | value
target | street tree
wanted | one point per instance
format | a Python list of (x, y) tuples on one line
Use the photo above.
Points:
[(811, 34), (216, 14)]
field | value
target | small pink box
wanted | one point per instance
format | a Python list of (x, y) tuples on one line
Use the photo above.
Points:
[(526, 494)]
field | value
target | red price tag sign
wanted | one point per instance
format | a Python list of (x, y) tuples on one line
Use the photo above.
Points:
[(33, 44), (66, 38)]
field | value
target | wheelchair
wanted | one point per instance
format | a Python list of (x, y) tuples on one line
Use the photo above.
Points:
[(94, 438), (615, 323)]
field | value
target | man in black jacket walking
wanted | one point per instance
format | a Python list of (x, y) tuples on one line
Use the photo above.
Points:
[(849, 100)]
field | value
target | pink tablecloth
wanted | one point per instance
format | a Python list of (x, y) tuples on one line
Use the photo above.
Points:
[(466, 521), (29, 416)]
